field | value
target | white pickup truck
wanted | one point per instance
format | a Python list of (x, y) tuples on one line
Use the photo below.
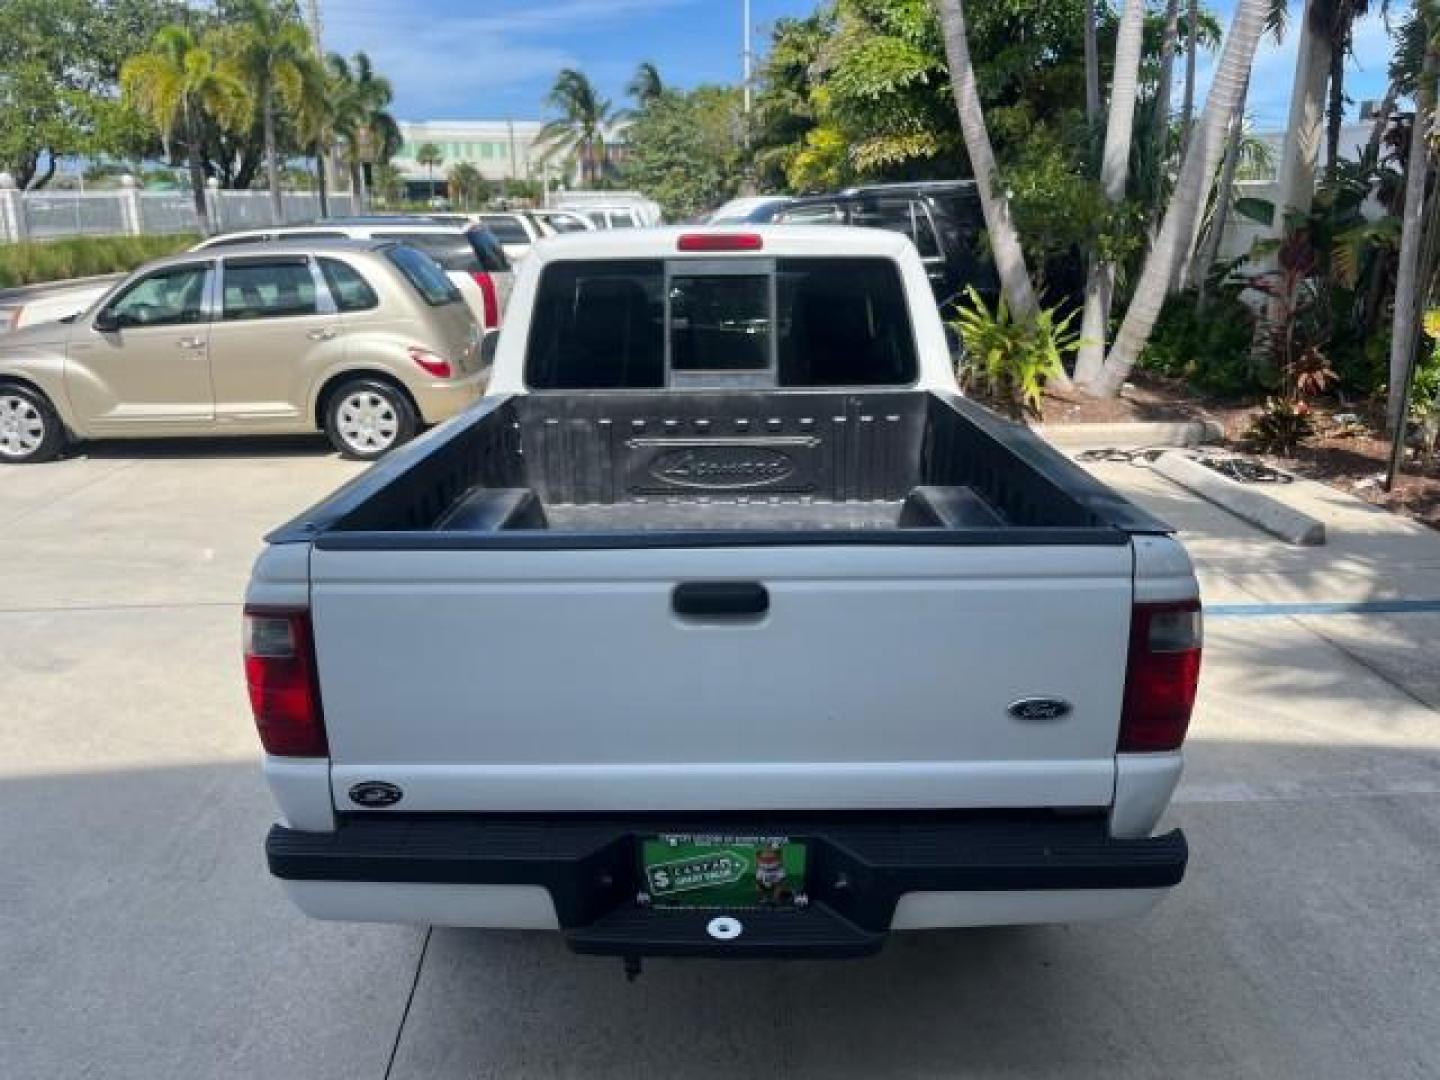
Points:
[(723, 625)]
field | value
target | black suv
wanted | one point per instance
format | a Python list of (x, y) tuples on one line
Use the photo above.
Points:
[(942, 217)]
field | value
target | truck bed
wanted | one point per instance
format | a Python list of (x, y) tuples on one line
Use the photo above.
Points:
[(724, 467)]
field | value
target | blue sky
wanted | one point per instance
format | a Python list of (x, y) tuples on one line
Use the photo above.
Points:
[(454, 59)]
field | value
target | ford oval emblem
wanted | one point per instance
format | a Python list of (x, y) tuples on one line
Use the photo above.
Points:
[(1040, 708), (373, 794), (722, 467)]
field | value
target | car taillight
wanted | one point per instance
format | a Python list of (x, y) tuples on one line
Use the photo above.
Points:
[(431, 364), (489, 297), (284, 691), (1161, 675), (720, 242)]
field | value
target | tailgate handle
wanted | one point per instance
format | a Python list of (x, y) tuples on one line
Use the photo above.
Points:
[(720, 599)]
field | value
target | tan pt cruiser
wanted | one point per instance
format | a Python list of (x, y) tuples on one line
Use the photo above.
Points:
[(364, 340)]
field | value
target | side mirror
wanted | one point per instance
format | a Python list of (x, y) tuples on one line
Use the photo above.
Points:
[(106, 321)]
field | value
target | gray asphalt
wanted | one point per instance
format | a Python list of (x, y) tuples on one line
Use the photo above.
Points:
[(140, 936)]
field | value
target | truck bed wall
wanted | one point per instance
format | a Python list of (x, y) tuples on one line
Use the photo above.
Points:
[(822, 447)]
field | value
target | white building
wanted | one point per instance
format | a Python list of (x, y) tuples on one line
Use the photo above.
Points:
[(499, 149)]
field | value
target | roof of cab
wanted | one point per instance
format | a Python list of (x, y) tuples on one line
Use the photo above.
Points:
[(663, 243)]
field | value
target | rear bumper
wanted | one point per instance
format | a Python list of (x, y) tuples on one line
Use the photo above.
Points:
[(440, 400), (868, 874)]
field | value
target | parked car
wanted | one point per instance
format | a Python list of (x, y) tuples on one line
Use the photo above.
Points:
[(557, 222), (365, 341), (942, 219), (470, 255), (749, 210), (787, 644), (515, 230), (640, 211)]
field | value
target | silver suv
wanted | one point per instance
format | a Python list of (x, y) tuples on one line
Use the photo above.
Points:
[(365, 341), (470, 253)]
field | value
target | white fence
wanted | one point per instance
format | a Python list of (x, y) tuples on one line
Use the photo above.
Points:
[(47, 215)]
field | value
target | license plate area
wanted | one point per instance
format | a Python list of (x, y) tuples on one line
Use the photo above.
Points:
[(723, 871)]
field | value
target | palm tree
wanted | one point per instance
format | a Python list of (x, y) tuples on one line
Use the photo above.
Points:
[(1197, 173), (432, 158), (1301, 149), (645, 85), (366, 129), (1209, 252), (269, 49), (174, 85), (1114, 171), (388, 182), (466, 183), (1160, 125), (1409, 284), (581, 126), (1004, 239), (1092, 70)]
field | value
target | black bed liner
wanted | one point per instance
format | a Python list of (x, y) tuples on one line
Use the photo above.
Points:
[(721, 468)]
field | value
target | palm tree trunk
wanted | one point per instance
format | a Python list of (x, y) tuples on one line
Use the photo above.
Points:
[(1004, 240), (1335, 116), (1192, 47), (272, 155), (197, 171), (1381, 122), (1160, 130), (1197, 173), (1302, 134), (1092, 70), (1206, 257), (1114, 169), (321, 187), (1404, 333)]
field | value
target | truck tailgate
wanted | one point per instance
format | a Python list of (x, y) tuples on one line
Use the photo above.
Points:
[(514, 681)]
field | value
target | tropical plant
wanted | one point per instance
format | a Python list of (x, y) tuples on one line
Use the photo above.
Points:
[(1197, 174), (176, 83), (1413, 280), (269, 49), (1280, 427), (363, 124), (581, 128), (467, 186), (431, 157), (682, 150), (388, 182), (645, 85), (1010, 362)]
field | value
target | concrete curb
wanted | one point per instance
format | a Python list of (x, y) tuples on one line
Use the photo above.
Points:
[(1248, 504), (1133, 433)]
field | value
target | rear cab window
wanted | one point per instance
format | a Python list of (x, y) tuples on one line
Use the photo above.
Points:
[(752, 323), (452, 250), (424, 274)]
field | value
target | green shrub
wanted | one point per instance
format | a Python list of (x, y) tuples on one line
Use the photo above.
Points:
[(83, 256), (1280, 428), (1008, 362), (1210, 351)]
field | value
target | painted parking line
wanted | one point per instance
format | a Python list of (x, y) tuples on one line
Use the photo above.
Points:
[(1359, 607)]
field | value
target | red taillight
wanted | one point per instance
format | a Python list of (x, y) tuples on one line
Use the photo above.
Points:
[(489, 298), (280, 674), (720, 242), (1161, 675), (431, 364)]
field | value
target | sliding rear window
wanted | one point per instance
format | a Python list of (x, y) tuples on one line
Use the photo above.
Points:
[(798, 322)]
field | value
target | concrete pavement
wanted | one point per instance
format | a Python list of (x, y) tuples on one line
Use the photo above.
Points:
[(140, 936)]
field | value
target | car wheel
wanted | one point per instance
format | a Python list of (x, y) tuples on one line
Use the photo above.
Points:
[(367, 419), (29, 429)]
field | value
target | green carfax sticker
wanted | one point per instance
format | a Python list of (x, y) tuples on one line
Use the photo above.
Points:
[(683, 870)]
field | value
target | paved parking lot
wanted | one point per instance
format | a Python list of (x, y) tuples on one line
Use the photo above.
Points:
[(140, 936)]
